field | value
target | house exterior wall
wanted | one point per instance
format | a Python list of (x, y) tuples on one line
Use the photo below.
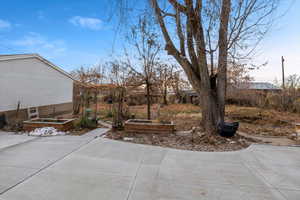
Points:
[(33, 83), (13, 116)]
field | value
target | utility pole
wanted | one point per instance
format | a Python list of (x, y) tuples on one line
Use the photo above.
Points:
[(282, 65)]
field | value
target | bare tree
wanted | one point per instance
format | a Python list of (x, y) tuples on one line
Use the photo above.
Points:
[(83, 96), (118, 76), (293, 82), (216, 28), (164, 79), (118, 72), (238, 73), (169, 78), (90, 75), (293, 86), (178, 84), (145, 41), (221, 30)]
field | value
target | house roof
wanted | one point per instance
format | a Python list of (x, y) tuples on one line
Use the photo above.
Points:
[(257, 86), (37, 56)]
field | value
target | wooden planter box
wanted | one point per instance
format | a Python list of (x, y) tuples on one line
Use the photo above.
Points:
[(59, 124), (297, 126), (148, 126)]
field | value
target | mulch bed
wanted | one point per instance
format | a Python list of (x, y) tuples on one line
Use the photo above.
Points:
[(185, 141)]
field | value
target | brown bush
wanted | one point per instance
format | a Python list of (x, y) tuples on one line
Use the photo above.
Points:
[(281, 101), (296, 105), (244, 98)]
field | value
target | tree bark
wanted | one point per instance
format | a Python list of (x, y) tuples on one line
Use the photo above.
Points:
[(222, 61), (96, 103), (165, 93), (209, 110), (148, 100)]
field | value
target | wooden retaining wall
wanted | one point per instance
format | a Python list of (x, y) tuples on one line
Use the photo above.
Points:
[(148, 127)]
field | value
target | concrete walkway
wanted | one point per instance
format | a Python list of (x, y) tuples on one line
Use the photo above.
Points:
[(112, 170), (277, 141), (8, 139), (21, 156)]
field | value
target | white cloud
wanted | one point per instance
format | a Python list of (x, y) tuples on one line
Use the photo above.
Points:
[(4, 24), (86, 22), (36, 43)]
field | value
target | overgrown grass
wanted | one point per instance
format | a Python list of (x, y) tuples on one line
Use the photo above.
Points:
[(175, 109), (258, 121), (253, 120)]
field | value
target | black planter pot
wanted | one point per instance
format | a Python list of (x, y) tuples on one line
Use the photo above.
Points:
[(227, 129), (2, 121)]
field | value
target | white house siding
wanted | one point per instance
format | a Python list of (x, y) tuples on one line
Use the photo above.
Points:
[(33, 83)]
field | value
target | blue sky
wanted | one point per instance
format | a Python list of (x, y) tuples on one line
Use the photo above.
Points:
[(72, 33), (282, 40), (67, 32)]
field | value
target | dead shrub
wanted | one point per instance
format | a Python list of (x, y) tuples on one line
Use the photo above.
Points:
[(281, 101), (296, 105)]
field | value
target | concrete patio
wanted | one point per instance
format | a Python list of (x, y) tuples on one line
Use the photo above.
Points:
[(85, 167)]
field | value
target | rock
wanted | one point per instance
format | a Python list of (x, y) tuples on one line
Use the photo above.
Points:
[(128, 139), (295, 134), (242, 140)]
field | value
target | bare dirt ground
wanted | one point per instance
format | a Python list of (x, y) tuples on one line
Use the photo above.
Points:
[(184, 140), (263, 122)]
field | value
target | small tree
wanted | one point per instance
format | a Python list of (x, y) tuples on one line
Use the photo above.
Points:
[(166, 75), (178, 84), (145, 41), (238, 73), (84, 95), (90, 75), (293, 82), (118, 76)]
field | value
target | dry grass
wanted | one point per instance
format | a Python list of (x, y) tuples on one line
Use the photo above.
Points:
[(265, 122), (175, 109), (262, 115), (252, 120)]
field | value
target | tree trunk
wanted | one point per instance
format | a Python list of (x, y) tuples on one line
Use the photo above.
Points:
[(165, 96), (209, 111), (148, 100), (211, 63), (96, 104), (222, 61)]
